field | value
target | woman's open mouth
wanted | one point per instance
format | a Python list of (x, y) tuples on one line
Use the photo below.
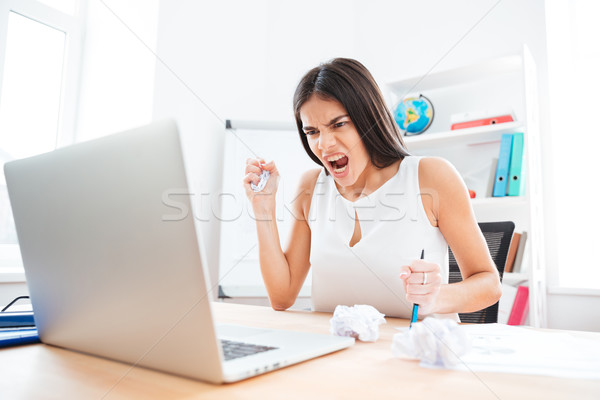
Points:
[(338, 163)]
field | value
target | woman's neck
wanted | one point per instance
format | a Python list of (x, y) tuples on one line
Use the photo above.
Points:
[(371, 179)]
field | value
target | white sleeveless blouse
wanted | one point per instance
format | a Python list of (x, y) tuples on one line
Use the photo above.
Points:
[(394, 229)]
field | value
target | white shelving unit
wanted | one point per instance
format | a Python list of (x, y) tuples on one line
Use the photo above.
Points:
[(465, 137), (507, 82)]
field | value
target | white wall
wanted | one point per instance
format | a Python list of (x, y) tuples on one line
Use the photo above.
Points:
[(117, 80), (10, 291), (573, 311), (247, 57)]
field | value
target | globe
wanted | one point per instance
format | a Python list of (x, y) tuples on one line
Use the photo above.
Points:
[(414, 115)]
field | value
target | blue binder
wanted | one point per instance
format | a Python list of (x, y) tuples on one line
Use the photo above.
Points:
[(14, 337), (500, 185), (515, 173), (17, 328), (19, 319)]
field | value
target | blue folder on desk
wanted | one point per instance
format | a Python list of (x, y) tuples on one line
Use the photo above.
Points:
[(14, 337), (17, 328)]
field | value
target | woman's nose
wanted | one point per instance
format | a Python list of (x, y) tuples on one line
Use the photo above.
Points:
[(326, 139)]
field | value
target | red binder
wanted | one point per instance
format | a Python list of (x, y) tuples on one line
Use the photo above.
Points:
[(520, 307), (481, 122)]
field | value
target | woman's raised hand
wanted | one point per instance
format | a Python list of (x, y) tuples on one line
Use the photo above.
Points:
[(263, 202)]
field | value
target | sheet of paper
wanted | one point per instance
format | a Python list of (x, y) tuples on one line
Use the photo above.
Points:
[(518, 350)]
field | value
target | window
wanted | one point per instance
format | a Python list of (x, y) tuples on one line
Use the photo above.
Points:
[(574, 84), (40, 48)]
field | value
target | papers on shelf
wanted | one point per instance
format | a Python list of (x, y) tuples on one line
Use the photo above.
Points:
[(517, 350)]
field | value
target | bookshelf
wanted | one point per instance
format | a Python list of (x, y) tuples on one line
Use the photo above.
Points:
[(501, 83), (465, 137)]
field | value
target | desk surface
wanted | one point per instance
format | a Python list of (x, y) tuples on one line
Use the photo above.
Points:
[(365, 371)]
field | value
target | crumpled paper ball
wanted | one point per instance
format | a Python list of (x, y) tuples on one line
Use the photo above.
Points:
[(436, 342), (264, 177), (360, 321)]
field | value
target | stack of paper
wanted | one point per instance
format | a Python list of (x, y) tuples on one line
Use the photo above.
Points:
[(502, 348)]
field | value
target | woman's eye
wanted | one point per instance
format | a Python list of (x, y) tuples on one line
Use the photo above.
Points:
[(339, 124), (308, 133)]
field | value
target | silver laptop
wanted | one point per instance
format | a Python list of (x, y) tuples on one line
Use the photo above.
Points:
[(112, 273)]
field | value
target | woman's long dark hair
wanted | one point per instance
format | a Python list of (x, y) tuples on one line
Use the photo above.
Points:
[(351, 84)]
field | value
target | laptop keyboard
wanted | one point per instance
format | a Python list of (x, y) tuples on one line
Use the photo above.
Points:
[(233, 350)]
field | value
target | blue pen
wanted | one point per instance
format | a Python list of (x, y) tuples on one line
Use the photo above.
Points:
[(415, 312)]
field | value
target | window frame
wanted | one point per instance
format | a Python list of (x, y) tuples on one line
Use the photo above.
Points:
[(74, 28)]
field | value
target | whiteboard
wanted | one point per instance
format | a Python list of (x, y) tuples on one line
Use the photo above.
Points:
[(239, 269)]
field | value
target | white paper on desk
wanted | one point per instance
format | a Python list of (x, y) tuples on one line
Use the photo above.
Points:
[(517, 350)]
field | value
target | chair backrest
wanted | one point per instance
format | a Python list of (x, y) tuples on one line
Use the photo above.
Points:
[(497, 236)]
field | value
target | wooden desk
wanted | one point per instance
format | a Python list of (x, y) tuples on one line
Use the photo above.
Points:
[(364, 371)]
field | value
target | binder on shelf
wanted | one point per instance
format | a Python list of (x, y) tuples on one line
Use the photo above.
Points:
[(471, 119), (482, 122), (500, 184), (520, 308), (492, 177), (515, 176), (512, 252), (520, 252)]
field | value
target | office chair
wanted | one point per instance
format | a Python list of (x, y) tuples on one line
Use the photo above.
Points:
[(497, 236)]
